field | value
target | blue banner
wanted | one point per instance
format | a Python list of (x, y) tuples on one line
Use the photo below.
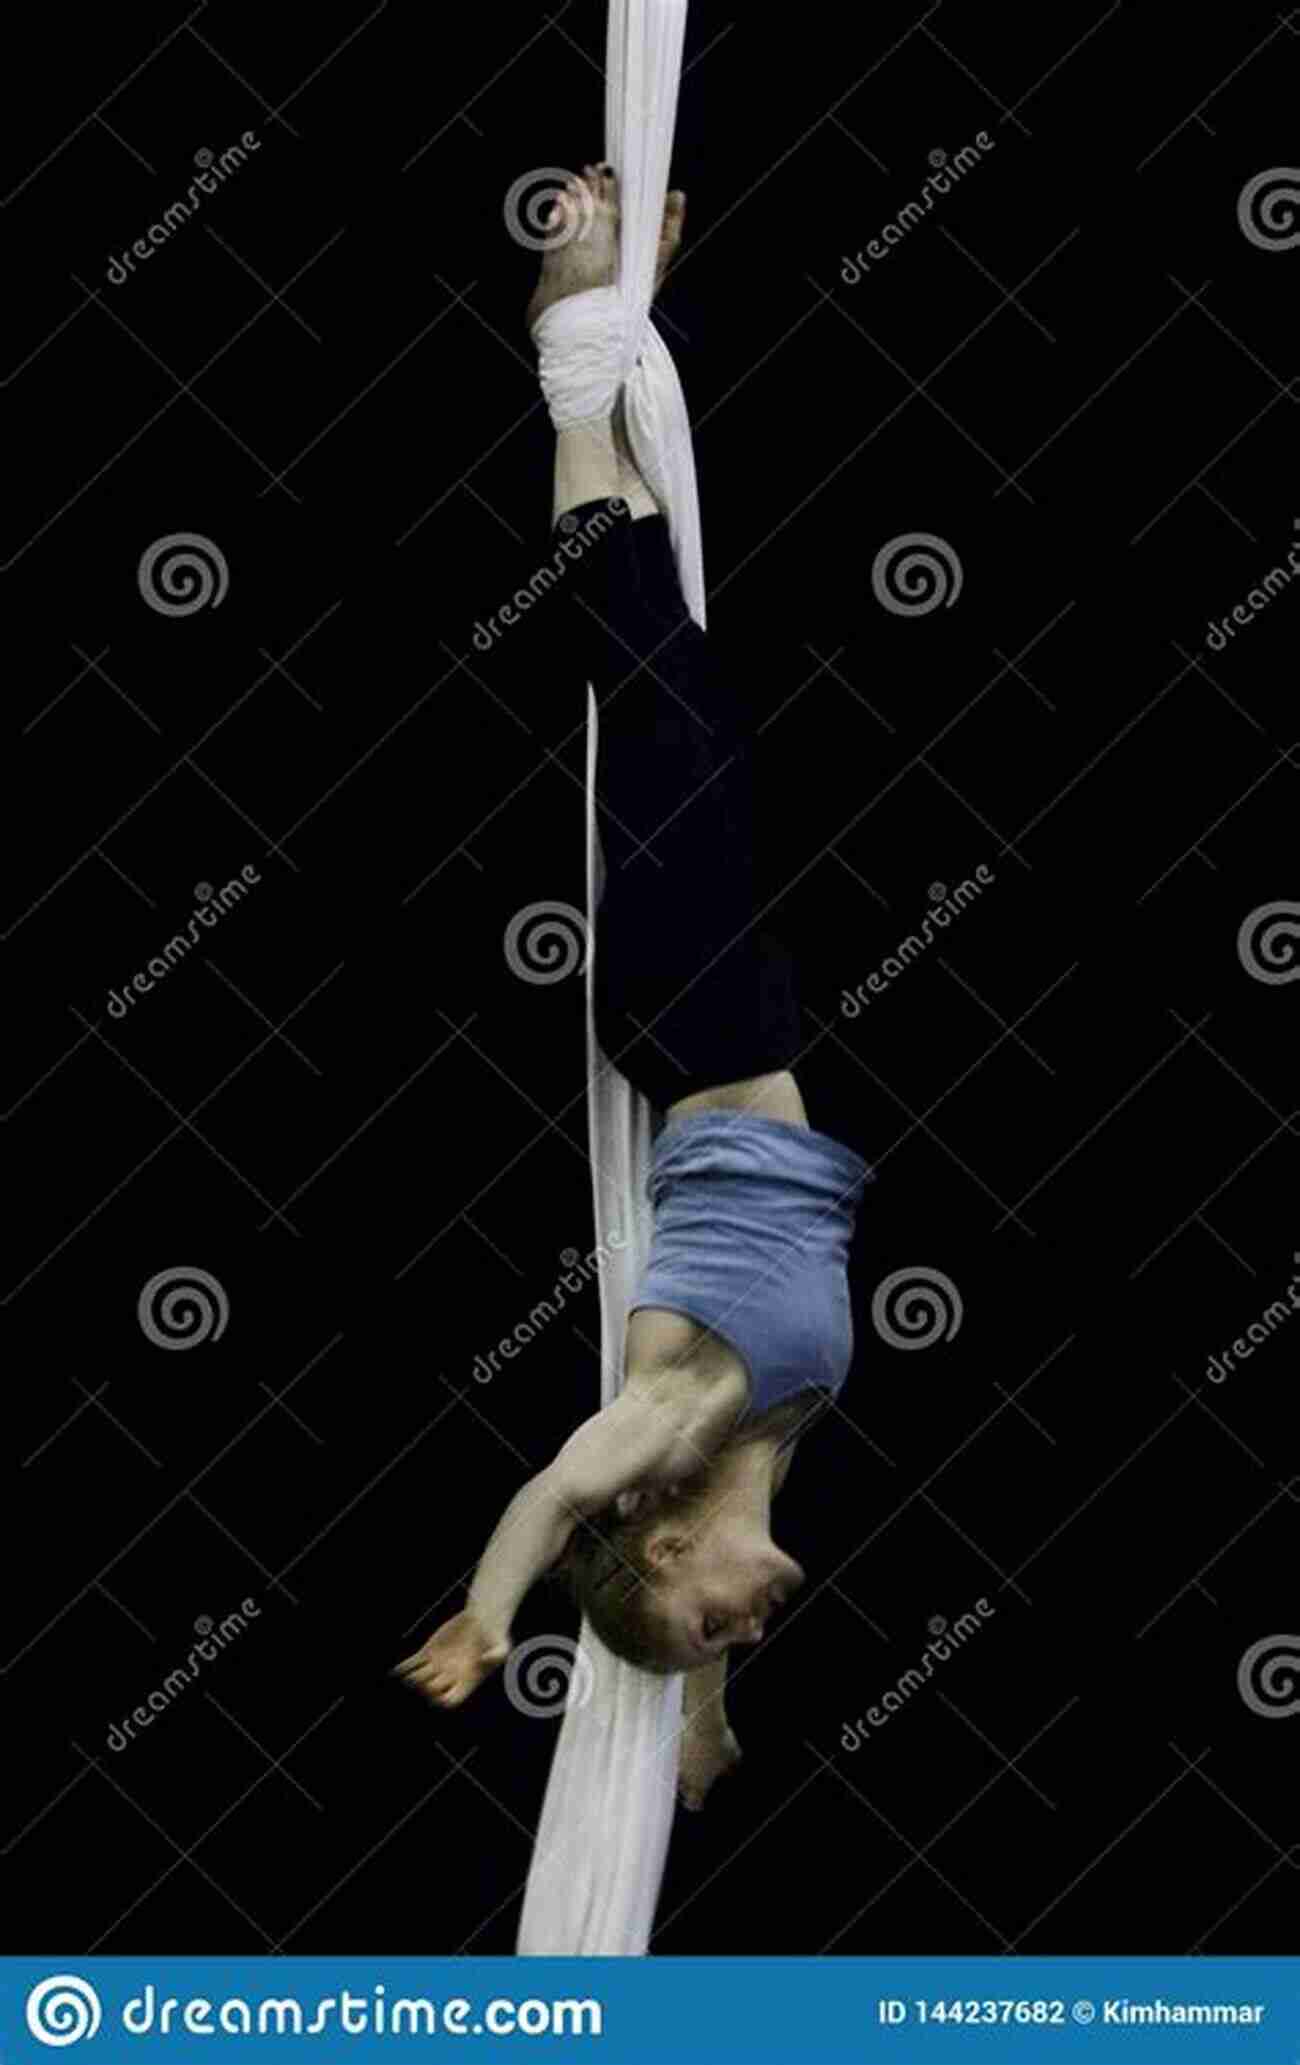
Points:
[(650, 2011)]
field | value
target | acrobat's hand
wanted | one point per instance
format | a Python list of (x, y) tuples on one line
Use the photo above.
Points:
[(708, 1750), (454, 1661)]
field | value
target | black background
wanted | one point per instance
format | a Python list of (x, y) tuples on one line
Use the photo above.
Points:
[(1078, 372)]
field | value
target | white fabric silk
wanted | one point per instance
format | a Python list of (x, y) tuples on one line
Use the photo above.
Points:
[(595, 345), (580, 347), (602, 1840)]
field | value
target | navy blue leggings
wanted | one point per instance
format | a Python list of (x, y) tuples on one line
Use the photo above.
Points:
[(692, 989)]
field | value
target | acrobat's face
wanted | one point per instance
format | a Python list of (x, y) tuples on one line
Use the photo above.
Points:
[(716, 1589)]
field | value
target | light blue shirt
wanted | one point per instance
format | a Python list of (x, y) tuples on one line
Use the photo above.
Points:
[(753, 1222)]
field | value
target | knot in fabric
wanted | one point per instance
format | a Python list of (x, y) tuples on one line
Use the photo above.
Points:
[(587, 347)]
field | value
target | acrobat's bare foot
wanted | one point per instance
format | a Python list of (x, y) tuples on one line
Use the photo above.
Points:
[(584, 221), (454, 1661), (708, 1751)]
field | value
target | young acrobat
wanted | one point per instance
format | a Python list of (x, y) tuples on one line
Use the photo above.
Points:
[(656, 1512)]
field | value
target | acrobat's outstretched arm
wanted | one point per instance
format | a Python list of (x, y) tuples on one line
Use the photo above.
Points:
[(633, 1441)]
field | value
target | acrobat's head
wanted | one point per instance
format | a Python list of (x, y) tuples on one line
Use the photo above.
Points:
[(670, 1580)]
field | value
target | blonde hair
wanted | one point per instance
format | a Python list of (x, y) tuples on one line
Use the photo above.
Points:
[(606, 1571)]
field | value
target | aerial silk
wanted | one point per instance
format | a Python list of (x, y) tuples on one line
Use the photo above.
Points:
[(602, 1840)]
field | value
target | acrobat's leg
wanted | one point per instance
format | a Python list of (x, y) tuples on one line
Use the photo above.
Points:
[(593, 461)]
